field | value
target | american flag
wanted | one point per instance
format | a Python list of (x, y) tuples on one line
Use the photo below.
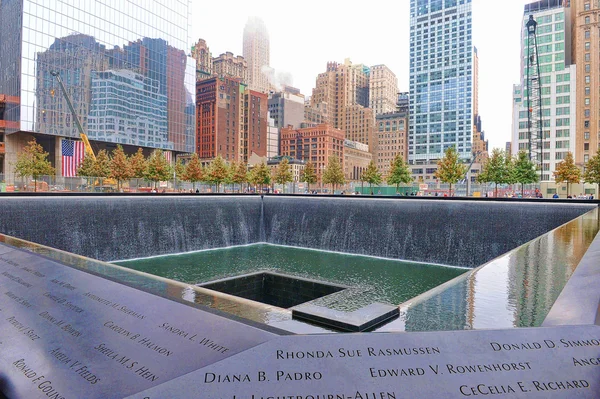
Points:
[(167, 155), (72, 156)]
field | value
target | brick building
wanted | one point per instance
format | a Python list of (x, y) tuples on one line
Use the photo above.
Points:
[(231, 120), (315, 144)]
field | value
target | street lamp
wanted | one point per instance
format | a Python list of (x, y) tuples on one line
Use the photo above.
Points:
[(531, 25), (468, 175)]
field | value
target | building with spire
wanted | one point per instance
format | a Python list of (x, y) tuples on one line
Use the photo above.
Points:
[(256, 52), (204, 62)]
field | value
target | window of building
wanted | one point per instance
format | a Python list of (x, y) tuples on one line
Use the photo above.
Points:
[(587, 68), (586, 7), (587, 101), (586, 146), (587, 20), (586, 135), (587, 34), (587, 46)]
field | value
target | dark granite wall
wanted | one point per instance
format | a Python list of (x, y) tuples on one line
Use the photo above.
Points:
[(458, 233), (113, 228)]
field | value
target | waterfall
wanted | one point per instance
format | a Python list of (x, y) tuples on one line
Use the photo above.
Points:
[(459, 233)]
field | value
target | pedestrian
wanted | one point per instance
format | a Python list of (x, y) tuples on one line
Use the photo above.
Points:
[(197, 191)]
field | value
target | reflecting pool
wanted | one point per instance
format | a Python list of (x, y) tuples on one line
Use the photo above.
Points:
[(371, 279)]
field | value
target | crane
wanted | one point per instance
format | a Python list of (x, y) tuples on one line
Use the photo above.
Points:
[(88, 147)]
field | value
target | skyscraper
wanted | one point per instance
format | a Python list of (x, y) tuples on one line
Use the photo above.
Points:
[(345, 90), (557, 81), (383, 90), (441, 79), (231, 120), (134, 49), (585, 19), (256, 53)]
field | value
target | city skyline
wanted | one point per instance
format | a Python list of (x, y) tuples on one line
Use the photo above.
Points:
[(304, 53)]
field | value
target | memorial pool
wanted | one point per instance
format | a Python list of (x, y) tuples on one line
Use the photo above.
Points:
[(371, 279)]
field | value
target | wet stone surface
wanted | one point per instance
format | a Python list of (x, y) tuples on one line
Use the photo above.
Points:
[(65, 333)]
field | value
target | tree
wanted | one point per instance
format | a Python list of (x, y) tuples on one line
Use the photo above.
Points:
[(399, 172), (33, 162), (138, 165), (240, 174), (495, 170), (567, 171), (179, 170), (194, 171), (86, 167), (592, 171), (283, 173), (158, 168), (333, 173), (102, 164), (120, 168), (371, 175), (525, 171), (217, 172), (261, 175), (450, 170), (308, 175)]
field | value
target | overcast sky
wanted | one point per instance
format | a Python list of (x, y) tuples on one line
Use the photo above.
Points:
[(306, 34)]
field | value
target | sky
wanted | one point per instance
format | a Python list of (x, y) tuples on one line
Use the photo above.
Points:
[(305, 35)]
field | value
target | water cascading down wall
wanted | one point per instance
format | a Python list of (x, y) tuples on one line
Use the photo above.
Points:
[(458, 233)]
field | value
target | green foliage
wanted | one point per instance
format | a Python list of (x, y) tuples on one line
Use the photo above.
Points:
[(498, 169), (120, 168), (240, 174), (158, 168), (86, 167), (102, 164), (283, 174), (333, 173), (567, 171), (371, 175), (138, 164), (399, 172), (592, 171), (525, 171), (260, 175), (179, 170), (194, 171), (308, 175), (450, 170), (217, 172), (33, 162)]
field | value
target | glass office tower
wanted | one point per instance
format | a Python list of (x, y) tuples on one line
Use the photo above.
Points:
[(123, 63), (441, 79)]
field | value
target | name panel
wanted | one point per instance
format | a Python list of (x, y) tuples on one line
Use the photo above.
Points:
[(562, 362), (65, 333)]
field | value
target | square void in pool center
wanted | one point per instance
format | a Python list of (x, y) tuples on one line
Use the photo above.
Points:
[(274, 289)]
